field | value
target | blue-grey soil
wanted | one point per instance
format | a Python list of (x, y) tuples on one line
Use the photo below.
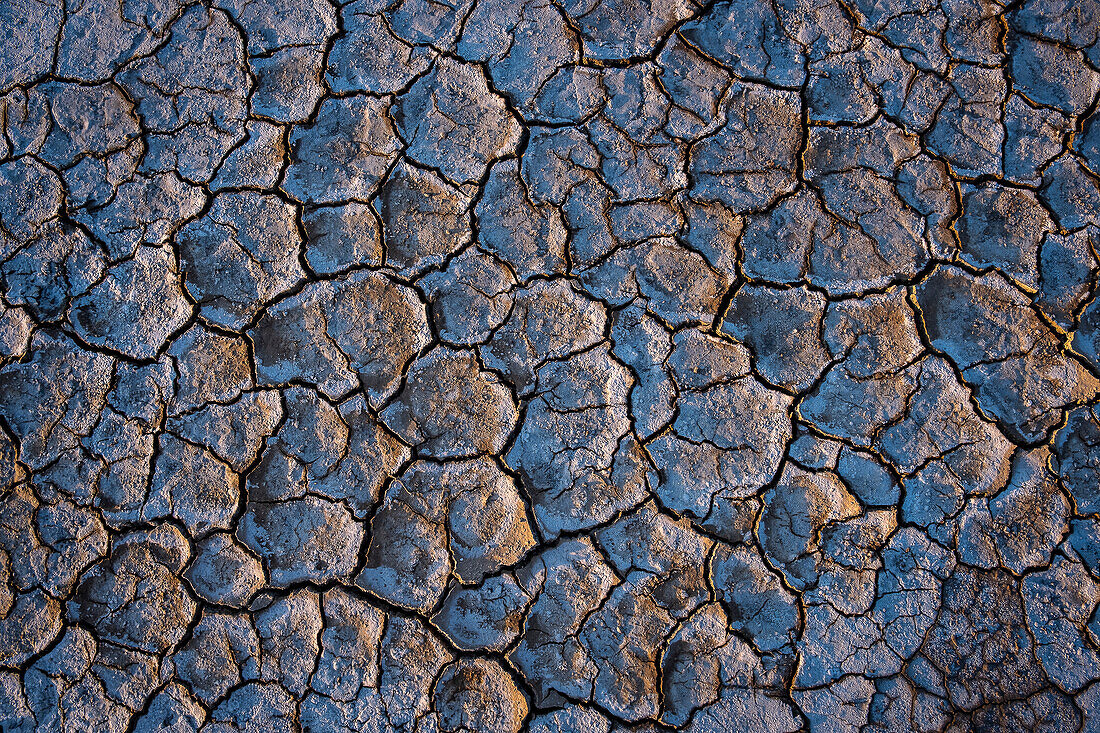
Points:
[(565, 366)]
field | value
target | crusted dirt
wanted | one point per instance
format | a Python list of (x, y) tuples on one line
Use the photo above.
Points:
[(478, 366)]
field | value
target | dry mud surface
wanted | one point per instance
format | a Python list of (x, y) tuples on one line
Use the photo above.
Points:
[(549, 365)]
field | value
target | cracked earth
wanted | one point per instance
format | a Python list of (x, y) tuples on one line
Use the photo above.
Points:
[(549, 365)]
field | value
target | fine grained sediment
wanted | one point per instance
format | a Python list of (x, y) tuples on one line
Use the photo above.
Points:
[(602, 365)]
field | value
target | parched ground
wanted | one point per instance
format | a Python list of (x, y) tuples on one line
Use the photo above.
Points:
[(549, 365)]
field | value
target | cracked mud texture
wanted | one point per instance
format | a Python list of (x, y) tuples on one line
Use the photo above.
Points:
[(595, 366)]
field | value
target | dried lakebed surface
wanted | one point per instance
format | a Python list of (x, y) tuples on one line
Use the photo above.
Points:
[(593, 365)]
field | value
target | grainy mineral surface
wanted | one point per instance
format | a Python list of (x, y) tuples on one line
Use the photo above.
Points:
[(565, 366)]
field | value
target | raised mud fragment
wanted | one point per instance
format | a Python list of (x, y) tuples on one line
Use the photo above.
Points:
[(225, 572), (1019, 528), (143, 209), (750, 162), (193, 486), (655, 273), (575, 453), (30, 40), (478, 695), (471, 298), (569, 582), (222, 652), (239, 256), (487, 617), (523, 44), (549, 320), (451, 408), (714, 452), (192, 94), (748, 38), (778, 325), (135, 597), (210, 367), (253, 708), (136, 308), (528, 236), (455, 123), (341, 237), (362, 329), (754, 598), (462, 518), (302, 539), (425, 218), (53, 399), (1013, 360), (344, 153), (256, 163), (369, 57), (286, 47)]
